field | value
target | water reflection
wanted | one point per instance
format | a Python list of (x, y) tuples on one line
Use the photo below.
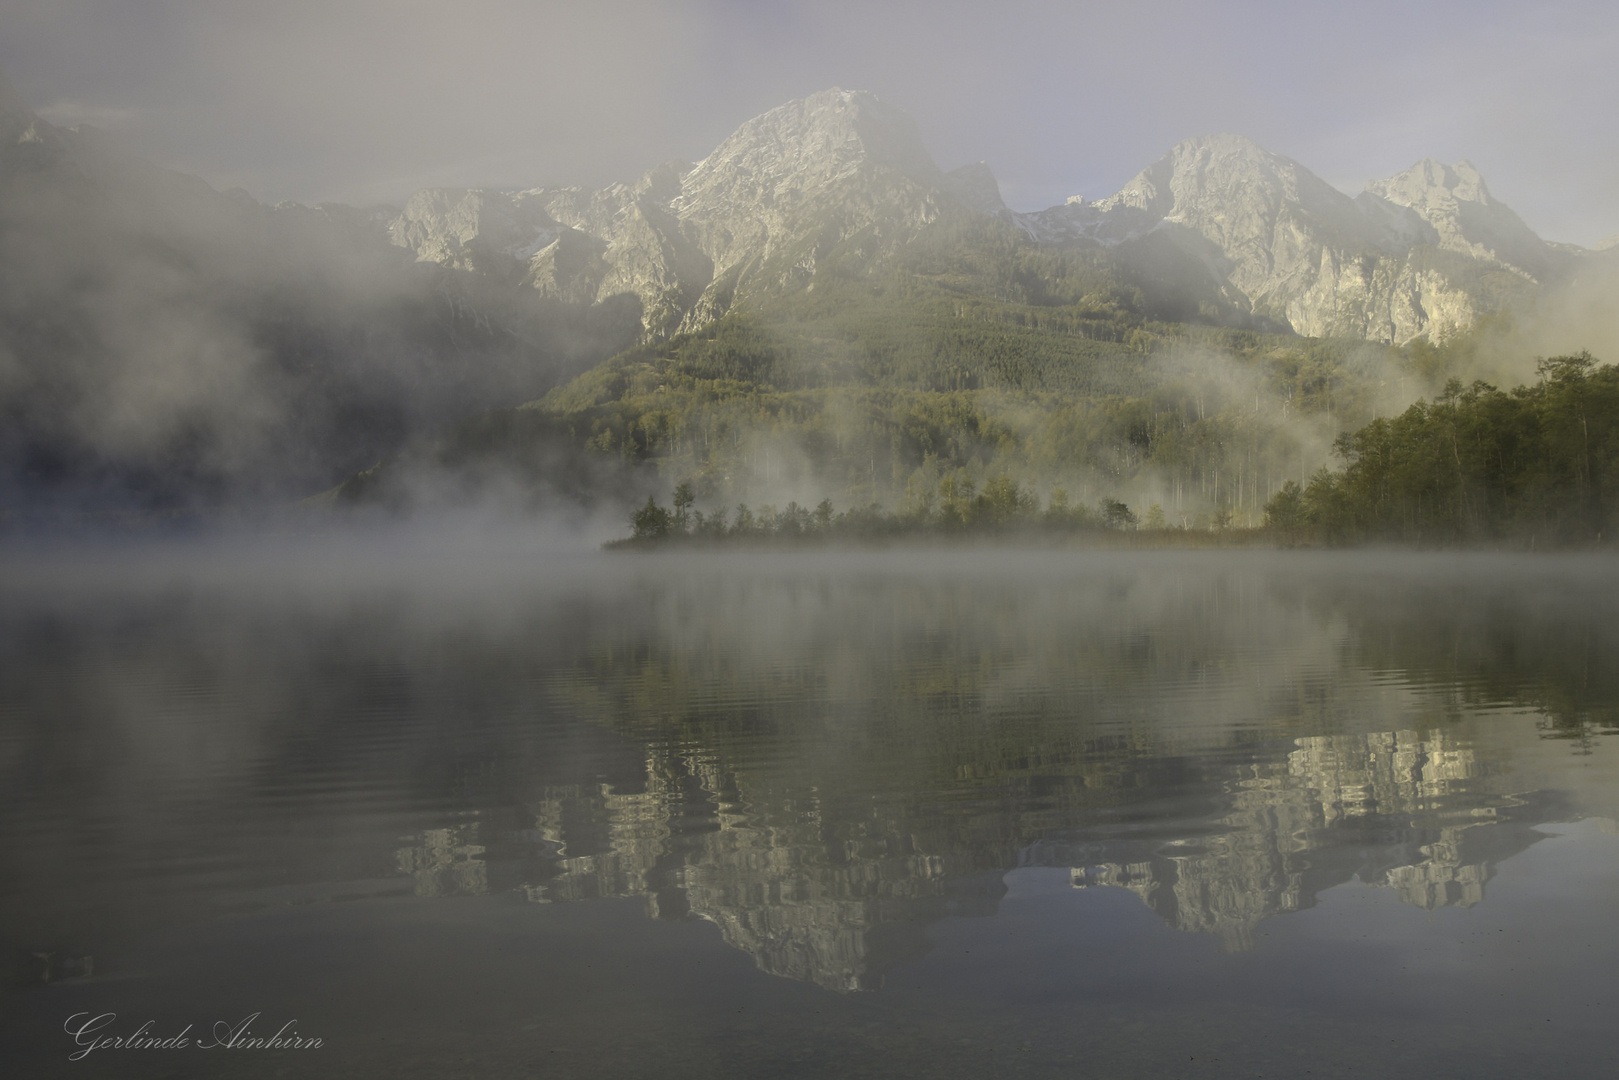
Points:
[(838, 893), (1389, 808), (447, 862), (825, 763)]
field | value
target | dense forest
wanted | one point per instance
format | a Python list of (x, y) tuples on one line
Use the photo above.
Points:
[(1538, 464), (967, 379), (970, 354), (1196, 418)]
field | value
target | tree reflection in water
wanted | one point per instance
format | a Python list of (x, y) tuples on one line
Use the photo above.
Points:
[(832, 766)]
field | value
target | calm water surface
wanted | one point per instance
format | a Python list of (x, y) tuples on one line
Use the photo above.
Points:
[(946, 815)]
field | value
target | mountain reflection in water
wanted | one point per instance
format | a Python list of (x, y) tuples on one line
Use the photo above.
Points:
[(838, 761), (834, 765), (837, 893)]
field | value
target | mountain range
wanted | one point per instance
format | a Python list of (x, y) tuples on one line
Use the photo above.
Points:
[(164, 344), (1424, 253)]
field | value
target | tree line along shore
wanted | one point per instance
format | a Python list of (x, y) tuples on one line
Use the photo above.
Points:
[(1533, 467)]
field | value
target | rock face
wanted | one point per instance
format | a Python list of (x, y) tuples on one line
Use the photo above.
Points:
[(471, 230), (1422, 253), (757, 213), (1460, 215)]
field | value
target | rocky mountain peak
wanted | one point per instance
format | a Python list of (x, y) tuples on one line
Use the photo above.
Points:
[(1430, 183), (1296, 250), (809, 143), (1212, 176), (788, 185), (467, 228), (1228, 153), (780, 194), (1455, 201), (761, 209)]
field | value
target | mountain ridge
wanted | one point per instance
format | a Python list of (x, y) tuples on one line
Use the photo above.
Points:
[(1322, 262), (1425, 253), (165, 341)]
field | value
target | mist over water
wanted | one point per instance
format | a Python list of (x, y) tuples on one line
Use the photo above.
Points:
[(994, 812), (324, 714)]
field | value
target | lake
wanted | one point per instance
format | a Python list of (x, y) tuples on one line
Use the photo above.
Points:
[(976, 813)]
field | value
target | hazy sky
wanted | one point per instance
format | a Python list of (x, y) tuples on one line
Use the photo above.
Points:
[(366, 100)]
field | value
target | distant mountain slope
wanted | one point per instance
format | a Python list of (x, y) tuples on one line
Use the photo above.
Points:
[(825, 313), (686, 241), (1426, 253), (166, 345)]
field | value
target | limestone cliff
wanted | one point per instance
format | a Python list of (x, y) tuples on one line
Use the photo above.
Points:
[(756, 214), (1424, 253)]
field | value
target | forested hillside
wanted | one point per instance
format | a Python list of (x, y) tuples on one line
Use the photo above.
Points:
[(1535, 465), (971, 353), (815, 311)]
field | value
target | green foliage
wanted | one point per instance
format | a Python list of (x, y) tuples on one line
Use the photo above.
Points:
[(1003, 506), (741, 409), (872, 368), (1434, 365), (1537, 464), (957, 509), (1116, 515), (651, 522), (1285, 510)]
